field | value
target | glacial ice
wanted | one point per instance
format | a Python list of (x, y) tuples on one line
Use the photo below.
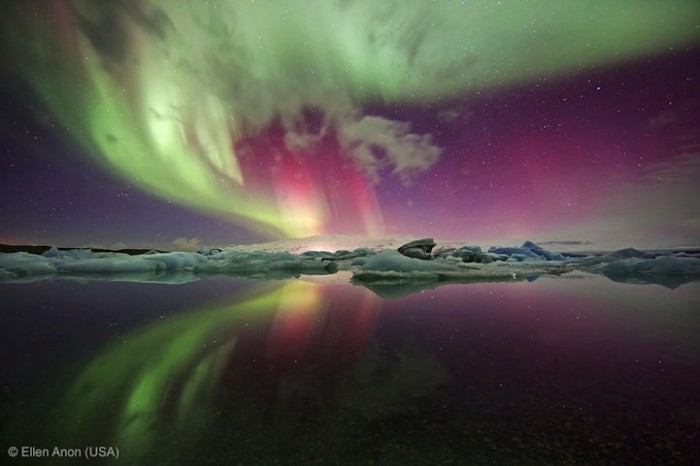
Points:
[(388, 272), (669, 270), (22, 263)]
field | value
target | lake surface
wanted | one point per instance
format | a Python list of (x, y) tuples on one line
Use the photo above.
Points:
[(571, 370)]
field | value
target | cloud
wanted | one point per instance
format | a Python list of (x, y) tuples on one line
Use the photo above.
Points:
[(681, 168), (186, 244), (306, 128), (377, 143)]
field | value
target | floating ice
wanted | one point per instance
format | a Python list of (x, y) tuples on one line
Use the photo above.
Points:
[(389, 272), (517, 254), (528, 251), (669, 270), (260, 264), (20, 264), (112, 265), (176, 260)]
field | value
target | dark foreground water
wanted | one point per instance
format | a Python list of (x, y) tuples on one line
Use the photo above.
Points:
[(226, 371)]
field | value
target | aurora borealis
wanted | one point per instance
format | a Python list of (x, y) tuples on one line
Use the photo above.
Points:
[(146, 121)]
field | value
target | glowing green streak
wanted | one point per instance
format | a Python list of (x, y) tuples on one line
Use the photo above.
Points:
[(201, 384), (164, 375), (164, 114), (443, 49), (176, 362)]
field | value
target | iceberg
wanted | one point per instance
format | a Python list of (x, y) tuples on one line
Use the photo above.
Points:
[(528, 251), (669, 271), (22, 264), (388, 271)]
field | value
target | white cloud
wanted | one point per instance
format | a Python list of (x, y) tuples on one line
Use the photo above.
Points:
[(377, 143), (186, 244)]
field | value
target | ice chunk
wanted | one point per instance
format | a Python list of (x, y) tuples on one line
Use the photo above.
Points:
[(628, 253), (339, 255), (528, 251), (520, 257), (464, 254), (358, 262), (261, 264), (389, 270), (207, 251), (548, 255), (669, 271), (20, 264), (177, 260), (391, 260), (112, 265), (52, 252), (524, 253), (390, 266)]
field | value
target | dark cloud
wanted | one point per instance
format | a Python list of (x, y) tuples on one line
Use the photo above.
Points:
[(106, 24)]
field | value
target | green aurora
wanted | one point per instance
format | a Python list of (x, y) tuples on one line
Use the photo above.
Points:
[(159, 92)]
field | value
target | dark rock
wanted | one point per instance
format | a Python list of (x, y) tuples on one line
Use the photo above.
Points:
[(425, 243), (467, 256), (332, 267), (418, 249), (416, 253)]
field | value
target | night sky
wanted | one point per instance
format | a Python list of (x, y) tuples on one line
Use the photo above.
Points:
[(179, 124)]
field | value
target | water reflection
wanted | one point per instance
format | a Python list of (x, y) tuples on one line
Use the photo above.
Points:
[(550, 372)]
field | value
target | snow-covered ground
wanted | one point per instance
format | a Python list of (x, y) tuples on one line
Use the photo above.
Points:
[(374, 263)]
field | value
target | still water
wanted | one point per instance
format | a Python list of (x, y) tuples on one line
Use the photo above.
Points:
[(577, 370)]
